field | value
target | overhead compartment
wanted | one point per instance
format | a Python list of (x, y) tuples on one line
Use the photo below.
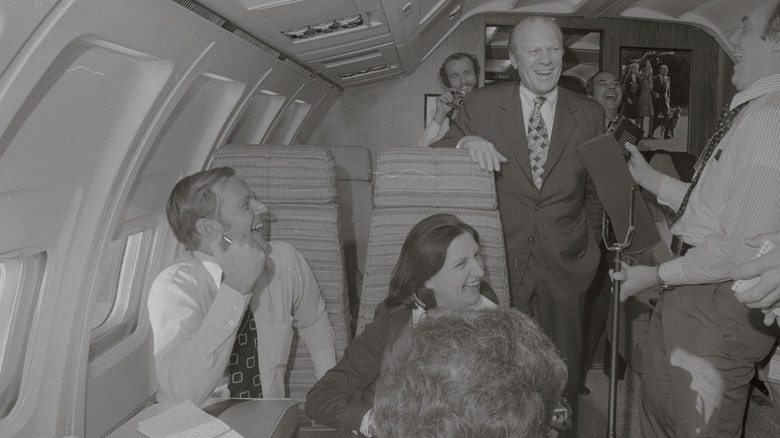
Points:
[(436, 25), (357, 65), (348, 42)]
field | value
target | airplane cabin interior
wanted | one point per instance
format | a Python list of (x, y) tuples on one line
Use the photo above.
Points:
[(318, 105)]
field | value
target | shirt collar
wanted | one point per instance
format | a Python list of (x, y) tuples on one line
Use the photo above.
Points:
[(758, 88), (211, 265), (529, 96)]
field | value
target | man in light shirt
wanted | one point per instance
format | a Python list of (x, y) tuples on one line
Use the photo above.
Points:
[(196, 304), (460, 74), (702, 341)]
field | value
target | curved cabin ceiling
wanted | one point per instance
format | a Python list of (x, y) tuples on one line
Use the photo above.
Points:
[(353, 42)]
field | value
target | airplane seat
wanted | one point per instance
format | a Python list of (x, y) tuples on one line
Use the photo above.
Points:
[(298, 185), (355, 189), (413, 183)]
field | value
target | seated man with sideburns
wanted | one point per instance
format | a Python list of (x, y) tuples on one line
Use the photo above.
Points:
[(223, 312)]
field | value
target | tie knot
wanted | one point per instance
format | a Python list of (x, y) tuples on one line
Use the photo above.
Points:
[(538, 101)]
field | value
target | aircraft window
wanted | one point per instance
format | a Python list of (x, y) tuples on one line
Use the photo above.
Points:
[(120, 281), (261, 111), (20, 284), (291, 120)]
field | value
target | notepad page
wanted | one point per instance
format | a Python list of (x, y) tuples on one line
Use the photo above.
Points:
[(186, 420)]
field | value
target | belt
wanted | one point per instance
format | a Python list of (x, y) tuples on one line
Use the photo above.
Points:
[(679, 247)]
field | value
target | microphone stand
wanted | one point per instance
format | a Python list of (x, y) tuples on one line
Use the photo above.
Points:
[(617, 248)]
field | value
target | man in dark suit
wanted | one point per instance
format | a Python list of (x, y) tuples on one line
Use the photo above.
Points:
[(661, 86), (549, 208)]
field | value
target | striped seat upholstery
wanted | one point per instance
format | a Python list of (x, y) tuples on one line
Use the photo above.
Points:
[(298, 185), (413, 183)]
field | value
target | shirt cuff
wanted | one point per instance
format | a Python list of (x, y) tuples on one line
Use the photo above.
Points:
[(324, 359), (227, 309), (367, 425), (671, 272)]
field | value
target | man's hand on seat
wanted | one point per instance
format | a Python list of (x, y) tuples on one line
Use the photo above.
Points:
[(483, 153)]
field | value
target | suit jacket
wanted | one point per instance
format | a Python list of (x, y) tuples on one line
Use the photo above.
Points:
[(663, 92), (559, 225)]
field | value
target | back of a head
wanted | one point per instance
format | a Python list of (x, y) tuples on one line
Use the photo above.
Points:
[(470, 374)]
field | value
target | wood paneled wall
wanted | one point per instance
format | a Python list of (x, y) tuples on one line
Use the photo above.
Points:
[(711, 68), (390, 114)]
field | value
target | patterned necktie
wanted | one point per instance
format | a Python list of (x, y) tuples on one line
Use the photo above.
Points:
[(243, 369), (724, 123), (538, 140)]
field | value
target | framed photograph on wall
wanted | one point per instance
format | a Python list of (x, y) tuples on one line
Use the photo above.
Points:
[(429, 108), (581, 56), (656, 94)]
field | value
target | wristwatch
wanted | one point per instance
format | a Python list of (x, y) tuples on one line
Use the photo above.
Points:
[(661, 283)]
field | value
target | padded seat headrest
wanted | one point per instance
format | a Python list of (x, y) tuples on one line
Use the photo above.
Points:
[(283, 174), (443, 178)]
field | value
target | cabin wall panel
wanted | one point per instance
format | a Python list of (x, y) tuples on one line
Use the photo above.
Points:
[(390, 114), (17, 22), (73, 140)]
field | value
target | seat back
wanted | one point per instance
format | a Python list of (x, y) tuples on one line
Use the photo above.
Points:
[(298, 185), (413, 183), (355, 188)]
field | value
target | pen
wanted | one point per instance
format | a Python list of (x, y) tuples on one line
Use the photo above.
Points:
[(227, 240)]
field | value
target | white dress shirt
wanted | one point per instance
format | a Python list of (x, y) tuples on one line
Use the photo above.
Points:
[(195, 317), (736, 196), (433, 132)]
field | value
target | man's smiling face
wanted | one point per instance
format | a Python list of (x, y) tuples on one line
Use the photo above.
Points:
[(537, 55), (607, 90)]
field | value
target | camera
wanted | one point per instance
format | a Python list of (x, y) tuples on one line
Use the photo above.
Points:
[(457, 98)]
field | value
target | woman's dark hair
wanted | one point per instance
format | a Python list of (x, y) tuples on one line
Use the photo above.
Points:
[(422, 256)]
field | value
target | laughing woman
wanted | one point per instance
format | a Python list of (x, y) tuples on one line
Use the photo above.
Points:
[(439, 267)]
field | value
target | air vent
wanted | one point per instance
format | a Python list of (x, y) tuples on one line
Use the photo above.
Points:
[(364, 71), (324, 27), (246, 36)]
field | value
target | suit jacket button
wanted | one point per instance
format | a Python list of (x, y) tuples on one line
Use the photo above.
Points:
[(531, 239), (537, 207)]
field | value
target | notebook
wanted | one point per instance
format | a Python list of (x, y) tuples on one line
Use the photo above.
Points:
[(186, 420)]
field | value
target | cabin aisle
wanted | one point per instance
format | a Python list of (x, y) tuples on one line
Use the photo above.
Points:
[(594, 406)]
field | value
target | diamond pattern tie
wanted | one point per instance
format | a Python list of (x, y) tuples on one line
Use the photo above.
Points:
[(724, 123), (538, 140), (243, 369)]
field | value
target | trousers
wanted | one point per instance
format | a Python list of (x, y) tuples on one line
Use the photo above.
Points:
[(702, 345)]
